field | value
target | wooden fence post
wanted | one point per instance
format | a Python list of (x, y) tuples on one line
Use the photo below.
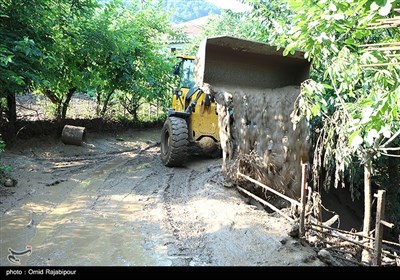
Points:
[(380, 215), (303, 199)]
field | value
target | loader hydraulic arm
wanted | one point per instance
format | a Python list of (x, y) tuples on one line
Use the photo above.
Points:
[(193, 104)]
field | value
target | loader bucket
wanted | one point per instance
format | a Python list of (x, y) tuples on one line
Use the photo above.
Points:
[(234, 62)]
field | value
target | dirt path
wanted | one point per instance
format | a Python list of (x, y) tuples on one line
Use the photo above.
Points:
[(112, 202)]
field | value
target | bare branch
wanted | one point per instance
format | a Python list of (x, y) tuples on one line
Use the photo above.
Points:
[(391, 155), (390, 149), (391, 139)]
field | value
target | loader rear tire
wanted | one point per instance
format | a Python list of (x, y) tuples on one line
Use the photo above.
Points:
[(174, 142)]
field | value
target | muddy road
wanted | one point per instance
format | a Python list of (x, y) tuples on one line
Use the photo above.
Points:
[(111, 202)]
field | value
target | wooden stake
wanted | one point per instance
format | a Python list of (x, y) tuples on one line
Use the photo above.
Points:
[(366, 256), (266, 204), (303, 198), (380, 215)]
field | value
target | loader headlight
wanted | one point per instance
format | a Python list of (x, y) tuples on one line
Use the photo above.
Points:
[(178, 92)]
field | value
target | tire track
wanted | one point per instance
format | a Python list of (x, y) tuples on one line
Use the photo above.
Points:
[(188, 245)]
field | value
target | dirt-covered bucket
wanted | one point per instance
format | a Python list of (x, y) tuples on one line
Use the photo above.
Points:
[(256, 88)]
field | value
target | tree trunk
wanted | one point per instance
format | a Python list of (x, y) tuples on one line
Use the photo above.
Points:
[(366, 255), (50, 95), (133, 111), (135, 114), (11, 113), (105, 105), (11, 108), (59, 111), (55, 100), (98, 105), (65, 104)]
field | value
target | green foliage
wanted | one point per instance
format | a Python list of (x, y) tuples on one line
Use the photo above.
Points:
[(358, 103), (271, 21), (21, 25), (128, 56), (41, 47), (352, 98), (58, 48)]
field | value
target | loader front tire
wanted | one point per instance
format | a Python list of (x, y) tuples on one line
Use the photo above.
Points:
[(174, 142)]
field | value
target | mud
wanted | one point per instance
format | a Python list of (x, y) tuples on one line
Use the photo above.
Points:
[(257, 122), (112, 202)]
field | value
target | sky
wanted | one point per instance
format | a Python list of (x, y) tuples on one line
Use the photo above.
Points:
[(234, 5)]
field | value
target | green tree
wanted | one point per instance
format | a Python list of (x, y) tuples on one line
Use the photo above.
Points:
[(130, 55), (358, 102), (68, 62), (354, 92), (60, 47), (25, 27), (40, 49)]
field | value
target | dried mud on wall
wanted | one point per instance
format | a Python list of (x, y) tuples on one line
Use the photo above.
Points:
[(258, 138)]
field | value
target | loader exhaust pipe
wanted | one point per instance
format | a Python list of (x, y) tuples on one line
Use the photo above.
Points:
[(235, 62)]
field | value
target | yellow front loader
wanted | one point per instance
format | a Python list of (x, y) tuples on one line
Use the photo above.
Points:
[(238, 63), (192, 119)]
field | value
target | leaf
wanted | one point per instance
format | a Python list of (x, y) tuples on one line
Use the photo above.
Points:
[(385, 10), (385, 131), (366, 114), (315, 109), (350, 41), (371, 136), (374, 6), (338, 16), (355, 140), (296, 4)]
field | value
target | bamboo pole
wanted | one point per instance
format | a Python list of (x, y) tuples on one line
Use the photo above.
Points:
[(266, 204), (356, 234), (269, 189), (342, 231), (344, 238), (381, 44), (380, 64), (380, 215), (388, 48), (303, 198), (383, 26)]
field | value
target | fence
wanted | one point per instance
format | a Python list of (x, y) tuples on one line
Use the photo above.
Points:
[(313, 223)]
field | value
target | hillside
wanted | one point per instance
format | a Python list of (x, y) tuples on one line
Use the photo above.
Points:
[(183, 10)]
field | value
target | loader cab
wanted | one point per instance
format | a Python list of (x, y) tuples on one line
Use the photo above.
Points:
[(184, 70), (185, 85)]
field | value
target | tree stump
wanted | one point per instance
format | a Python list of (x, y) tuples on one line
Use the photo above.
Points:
[(73, 135)]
